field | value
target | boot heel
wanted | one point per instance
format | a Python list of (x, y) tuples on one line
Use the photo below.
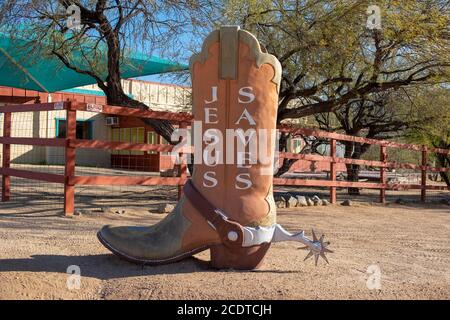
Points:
[(249, 258)]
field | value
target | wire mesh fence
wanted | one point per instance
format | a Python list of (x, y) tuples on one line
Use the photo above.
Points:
[(333, 165)]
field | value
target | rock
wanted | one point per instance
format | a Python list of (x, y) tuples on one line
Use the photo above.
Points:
[(107, 210), (280, 202), (317, 201), (81, 212), (165, 208), (347, 203), (301, 201), (112, 210), (309, 202), (169, 172), (291, 202), (325, 202)]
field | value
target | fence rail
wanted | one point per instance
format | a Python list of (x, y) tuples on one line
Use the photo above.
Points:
[(71, 143)]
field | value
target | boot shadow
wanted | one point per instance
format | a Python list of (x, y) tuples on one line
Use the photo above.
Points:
[(102, 266), (108, 266)]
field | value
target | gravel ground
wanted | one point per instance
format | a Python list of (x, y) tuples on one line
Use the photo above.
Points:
[(409, 244)]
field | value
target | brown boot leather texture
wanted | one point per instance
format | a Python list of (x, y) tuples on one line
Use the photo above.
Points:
[(235, 86)]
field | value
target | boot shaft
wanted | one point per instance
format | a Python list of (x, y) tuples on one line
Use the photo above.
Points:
[(235, 98)]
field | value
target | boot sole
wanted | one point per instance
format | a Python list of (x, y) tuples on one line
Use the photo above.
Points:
[(153, 262), (245, 258), (221, 257)]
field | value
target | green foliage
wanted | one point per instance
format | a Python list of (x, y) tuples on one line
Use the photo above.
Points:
[(432, 109), (330, 57)]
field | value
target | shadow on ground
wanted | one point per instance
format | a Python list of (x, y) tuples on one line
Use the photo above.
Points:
[(101, 266), (108, 266)]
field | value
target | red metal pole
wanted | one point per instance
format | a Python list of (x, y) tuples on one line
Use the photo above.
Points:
[(383, 158), (6, 180), (423, 192), (333, 170), (183, 165), (70, 152)]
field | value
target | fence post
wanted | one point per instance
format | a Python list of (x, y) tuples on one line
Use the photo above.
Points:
[(333, 170), (70, 153), (6, 180), (183, 164), (383, 158), (423, 190)]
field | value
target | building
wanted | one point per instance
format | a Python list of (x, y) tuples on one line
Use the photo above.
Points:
[(91, 125)]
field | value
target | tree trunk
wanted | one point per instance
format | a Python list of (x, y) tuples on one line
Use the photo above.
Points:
[(443, 159), (352, 169), (286, 165), (444, 162), (354, 150), (114, 91), (353, 176), (283, 147)]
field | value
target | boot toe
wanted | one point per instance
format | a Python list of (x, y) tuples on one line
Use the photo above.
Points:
[(159, 243), (122, 240), (141, 244)]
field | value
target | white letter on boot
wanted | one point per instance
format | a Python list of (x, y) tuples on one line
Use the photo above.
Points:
[(247, 182), (214, 95), (249, 95), (209, 176), (208, 115), (246, 115)]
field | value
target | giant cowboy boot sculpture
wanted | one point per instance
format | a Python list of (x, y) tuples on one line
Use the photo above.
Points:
[(228, 204)]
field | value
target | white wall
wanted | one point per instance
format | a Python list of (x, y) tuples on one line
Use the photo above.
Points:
[(43, 125), (157, 96)]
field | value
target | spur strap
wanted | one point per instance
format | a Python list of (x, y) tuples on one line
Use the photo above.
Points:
[(230, 232)]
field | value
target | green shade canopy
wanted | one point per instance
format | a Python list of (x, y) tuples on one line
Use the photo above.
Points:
[(34, 69)]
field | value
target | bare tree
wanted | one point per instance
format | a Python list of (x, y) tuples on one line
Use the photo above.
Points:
[(373, 117), (330, 59), (311, 146), (111, 26)]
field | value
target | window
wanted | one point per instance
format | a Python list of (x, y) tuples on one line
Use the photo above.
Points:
[(131, 135), (152, 138), (137, 136), (83, 131), (115, 136), (125, 137)]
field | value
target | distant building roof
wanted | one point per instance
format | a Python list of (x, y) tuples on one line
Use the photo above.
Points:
[(33, 69)]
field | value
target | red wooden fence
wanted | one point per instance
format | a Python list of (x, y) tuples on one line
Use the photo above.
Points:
[(71, 143)]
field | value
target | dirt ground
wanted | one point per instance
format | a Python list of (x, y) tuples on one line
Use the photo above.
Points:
[(410, 244)]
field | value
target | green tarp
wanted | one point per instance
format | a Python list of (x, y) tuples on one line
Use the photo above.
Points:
[(33, 69)]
